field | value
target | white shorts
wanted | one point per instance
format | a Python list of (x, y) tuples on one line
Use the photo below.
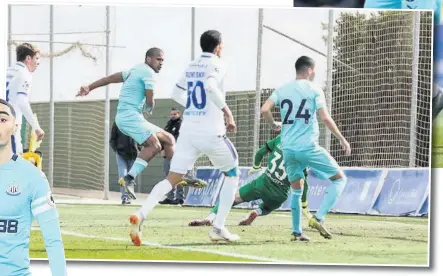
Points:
[(219, 149), (16, 143)]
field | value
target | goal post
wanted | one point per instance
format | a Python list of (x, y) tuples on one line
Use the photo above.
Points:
[(378, 90)]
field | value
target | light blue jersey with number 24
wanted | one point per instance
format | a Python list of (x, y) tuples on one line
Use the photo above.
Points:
[(299, 101)]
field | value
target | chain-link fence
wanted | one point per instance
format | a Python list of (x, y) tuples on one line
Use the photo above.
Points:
[(375, 69)]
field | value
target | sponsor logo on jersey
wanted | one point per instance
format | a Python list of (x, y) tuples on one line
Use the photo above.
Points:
[(26, 85), (13, 190)]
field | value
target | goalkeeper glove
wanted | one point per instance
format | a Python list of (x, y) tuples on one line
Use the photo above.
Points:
[(254, 170)]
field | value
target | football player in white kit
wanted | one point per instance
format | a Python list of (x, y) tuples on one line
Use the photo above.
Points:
[(18, 87), (203, 132)]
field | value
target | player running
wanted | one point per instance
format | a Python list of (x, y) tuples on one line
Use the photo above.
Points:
[(18, 88), (300, 101), (136, 98), (203, 132), (272, 187), (25, 195)]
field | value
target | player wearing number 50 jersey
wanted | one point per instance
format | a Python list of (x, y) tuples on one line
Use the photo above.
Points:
[(203, 132), (24, 195), (300, 101), (18, 89), (272, 186)]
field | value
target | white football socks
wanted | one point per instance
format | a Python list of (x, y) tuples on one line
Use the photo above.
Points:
[(227, 197), (157, 193)]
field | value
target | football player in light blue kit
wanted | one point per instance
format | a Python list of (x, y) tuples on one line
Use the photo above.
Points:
[(300, 101), (137, 98), (25, 195), (434, 5)]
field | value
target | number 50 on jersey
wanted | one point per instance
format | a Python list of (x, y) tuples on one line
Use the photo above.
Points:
[(196, 101)]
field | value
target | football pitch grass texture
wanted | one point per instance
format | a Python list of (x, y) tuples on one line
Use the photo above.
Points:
[(101, 232)]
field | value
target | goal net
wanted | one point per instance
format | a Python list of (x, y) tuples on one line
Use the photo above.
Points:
[(74, 159), (379, 97), (78, 144), (378, 90), (381, 87)]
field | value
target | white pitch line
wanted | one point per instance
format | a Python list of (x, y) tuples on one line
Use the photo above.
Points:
[(152, 244)]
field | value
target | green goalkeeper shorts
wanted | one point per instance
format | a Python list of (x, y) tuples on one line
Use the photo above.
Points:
[(272, 195)]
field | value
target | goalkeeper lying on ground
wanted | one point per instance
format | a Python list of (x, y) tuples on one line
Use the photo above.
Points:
[(272, 187)]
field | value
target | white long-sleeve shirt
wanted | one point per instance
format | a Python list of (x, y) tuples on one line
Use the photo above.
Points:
[(18, 88), (200, 91)]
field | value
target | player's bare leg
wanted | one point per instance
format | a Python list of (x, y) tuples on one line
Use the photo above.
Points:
[(151, 147), (159, 191)]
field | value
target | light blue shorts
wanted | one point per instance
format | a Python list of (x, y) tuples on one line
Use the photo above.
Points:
[(133, 124), (316, 159)]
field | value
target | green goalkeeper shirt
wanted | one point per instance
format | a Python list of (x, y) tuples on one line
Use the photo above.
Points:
[(275, 172)]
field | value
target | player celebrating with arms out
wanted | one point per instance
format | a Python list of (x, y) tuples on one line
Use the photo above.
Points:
[(272, 187), (203, 131), (137, 97), (18, 88), (299, 102), (25, 194)]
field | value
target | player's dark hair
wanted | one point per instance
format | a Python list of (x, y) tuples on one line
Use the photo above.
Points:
[(209, 40), (8, 105), (303, 63), (24, 50), (153, 52), (175, 109)]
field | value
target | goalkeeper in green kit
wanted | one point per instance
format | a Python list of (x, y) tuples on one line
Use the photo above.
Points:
[(272, 187)]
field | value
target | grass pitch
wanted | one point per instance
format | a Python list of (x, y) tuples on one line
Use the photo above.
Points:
[(101, 232)]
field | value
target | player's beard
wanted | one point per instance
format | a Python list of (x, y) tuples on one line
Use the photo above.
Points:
[(5, 151)]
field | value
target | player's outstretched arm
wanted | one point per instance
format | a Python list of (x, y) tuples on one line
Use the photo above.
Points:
[(260, 153), (114, 78), (258, 157), (330, 124), (267, 114), (44, 210)]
